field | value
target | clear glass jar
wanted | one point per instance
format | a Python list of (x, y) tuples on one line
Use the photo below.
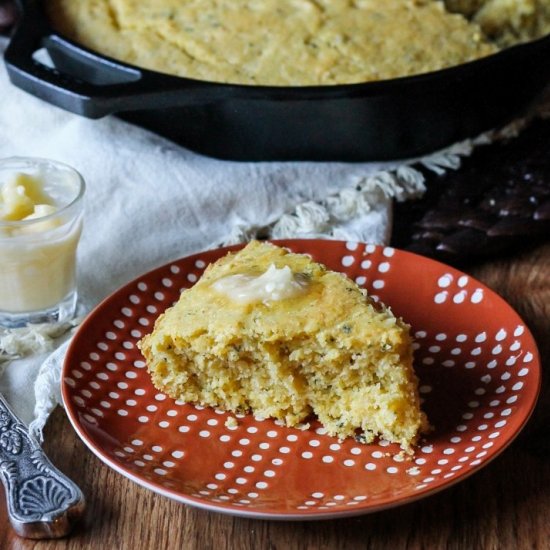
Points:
[(38, 247)]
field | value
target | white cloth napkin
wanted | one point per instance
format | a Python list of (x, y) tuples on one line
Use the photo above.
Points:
[(149, 201)]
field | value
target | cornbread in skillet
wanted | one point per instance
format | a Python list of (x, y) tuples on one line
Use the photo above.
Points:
[(507, 22), (326, 349), (275, 42)]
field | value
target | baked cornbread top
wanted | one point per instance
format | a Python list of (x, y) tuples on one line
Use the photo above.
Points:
[(507, 22), (275, 42), (346, 313)]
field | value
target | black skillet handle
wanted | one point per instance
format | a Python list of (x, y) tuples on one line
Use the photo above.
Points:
[(89, 84)]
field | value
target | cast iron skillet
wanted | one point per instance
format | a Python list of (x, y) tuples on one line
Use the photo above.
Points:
[(396, 118)]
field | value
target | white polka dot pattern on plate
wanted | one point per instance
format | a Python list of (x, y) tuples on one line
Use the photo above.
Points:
[(259, 464), (459, 290), (373, 264)]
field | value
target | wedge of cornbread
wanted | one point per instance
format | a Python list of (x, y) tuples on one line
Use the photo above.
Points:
[(272, 332)]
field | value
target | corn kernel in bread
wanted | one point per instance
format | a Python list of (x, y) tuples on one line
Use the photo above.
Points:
[(326, 349)]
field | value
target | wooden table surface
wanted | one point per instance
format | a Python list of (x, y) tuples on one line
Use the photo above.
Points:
[(505, 505)]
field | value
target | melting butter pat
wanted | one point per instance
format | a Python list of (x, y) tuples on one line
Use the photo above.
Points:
[(273, 285), (24, 198)]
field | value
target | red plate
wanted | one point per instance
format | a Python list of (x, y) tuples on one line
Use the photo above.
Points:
[(479, 375)]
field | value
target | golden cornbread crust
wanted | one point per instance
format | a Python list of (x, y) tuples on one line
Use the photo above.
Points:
[(507, 22), (299, 42), (275, 42), (329, 351)]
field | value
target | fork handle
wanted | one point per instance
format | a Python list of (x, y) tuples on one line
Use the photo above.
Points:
[(42, 502)]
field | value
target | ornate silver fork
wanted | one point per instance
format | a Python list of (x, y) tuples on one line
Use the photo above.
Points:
[(42, 502)]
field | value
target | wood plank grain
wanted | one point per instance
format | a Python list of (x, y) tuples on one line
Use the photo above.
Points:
[(504, 506)]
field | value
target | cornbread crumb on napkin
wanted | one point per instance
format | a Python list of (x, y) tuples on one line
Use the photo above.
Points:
[(150, 201)]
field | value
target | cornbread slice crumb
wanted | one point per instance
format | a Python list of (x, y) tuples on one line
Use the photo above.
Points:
[(231, 422), (328, 351)]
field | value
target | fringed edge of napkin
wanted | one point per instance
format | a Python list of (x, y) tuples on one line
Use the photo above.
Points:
[(331, 217), (18, 343)]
